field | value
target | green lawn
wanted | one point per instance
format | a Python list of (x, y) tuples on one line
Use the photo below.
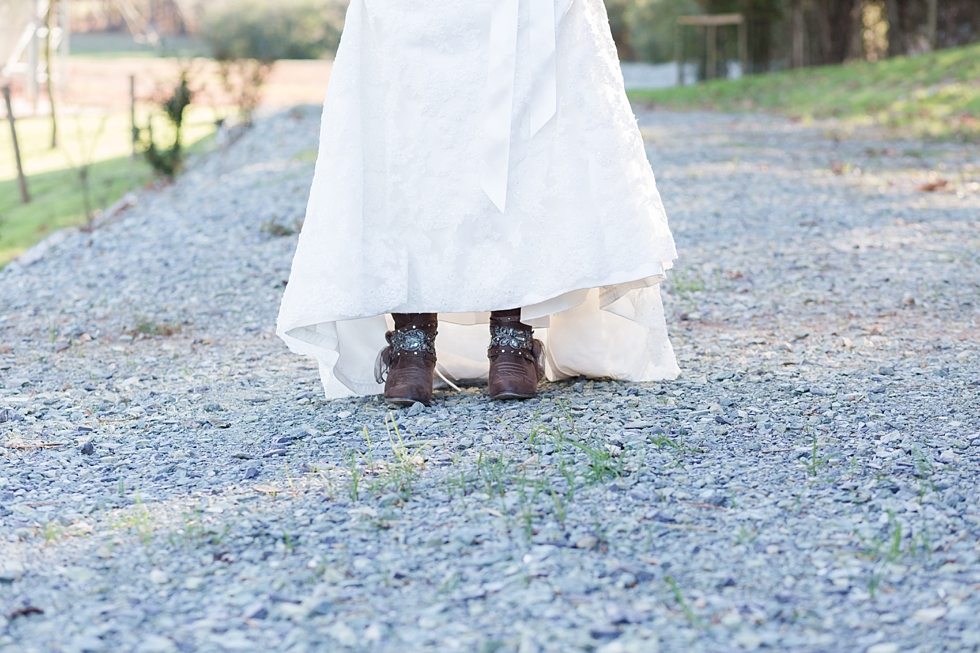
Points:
[(931, 95), (53, 179), (56, 201)]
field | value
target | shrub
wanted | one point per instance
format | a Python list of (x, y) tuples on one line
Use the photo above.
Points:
[(168, 161), (268, 31), (243, 80)]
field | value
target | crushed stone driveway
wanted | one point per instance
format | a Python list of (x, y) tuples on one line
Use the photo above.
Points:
[(171, 478)]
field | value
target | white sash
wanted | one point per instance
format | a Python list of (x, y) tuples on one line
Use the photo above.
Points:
[(500, 85)]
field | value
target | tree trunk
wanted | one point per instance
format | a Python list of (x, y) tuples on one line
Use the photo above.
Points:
[(797, 56), (957, 23), (49, 21), (834, 22), (906, 26)]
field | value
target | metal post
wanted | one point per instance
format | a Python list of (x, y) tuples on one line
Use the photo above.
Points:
[(711, 34), (932, 18), (679, 52), (132, 113), (21, 181)]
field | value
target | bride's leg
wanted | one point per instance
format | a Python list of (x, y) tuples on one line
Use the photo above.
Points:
[(409, 359), (514, 357)]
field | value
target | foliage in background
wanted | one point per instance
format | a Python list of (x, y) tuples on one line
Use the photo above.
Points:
[(167, 161), (644, 30), (931, 95), (247, 36), (88, 143), (269, 31), (796, 33), (958, 23), (243, 80)]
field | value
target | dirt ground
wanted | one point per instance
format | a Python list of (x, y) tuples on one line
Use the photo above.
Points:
[(99, 83)]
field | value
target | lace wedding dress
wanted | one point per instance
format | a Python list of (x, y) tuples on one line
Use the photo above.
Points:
[(478, 155)]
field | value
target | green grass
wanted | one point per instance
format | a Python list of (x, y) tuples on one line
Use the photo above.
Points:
[(57, 201), (933, 95), (110, 45), (53, 178)]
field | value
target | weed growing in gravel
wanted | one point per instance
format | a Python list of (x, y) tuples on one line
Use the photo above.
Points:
[(490, 473), (599, 529), (277, 229), (291, 483), (692, 618), (51, 532), (195, 531), (492, 646), (684, 283), (923, 469), (458, 480), (397, 475), (139, 520), (150, 328), (562, 461), (561, 505), (449, 582), (887, 549), (326, 481), (815, 461), (403, 471), (288, 542), (355, 476), (746, 535), (526, 503), (662, 440), (604, 461)]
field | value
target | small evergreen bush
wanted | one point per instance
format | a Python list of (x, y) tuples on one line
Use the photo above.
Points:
[(167, 162)]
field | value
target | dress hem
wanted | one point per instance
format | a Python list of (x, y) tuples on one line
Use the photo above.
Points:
[(612, 288), (320, 340)]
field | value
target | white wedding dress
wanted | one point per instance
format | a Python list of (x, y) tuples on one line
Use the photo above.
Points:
[(480, 155)]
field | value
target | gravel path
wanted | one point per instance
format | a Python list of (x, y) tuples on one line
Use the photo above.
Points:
[(171, 480)]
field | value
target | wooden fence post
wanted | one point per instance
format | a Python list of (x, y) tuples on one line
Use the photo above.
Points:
[(743, 47), (21, 181), (679, 52), (132, 113), (711, 38), (48, 24), (710, 24)]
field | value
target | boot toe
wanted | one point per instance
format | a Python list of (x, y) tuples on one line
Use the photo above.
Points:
[(512, 377)]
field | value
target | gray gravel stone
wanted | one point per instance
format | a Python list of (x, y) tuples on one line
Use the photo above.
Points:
[(807, 484)]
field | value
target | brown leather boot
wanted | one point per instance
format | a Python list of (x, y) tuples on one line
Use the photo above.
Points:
[(408, 363), (515, 355)]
